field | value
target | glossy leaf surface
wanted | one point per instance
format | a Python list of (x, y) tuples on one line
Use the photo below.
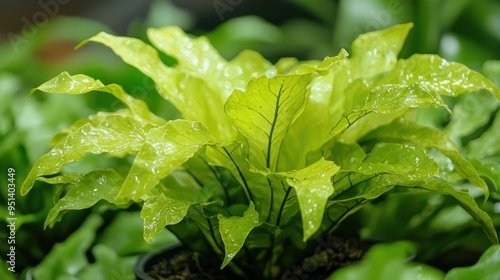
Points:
[(80, 84), (115, 134), (400, 131), (234, 231), (264, 113), (93, 187), (165, 149), (313, 187)]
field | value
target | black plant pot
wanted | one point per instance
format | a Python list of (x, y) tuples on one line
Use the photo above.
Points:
[(147, 261)]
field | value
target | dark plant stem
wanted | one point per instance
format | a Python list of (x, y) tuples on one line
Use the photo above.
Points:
[(212, 233), (273, 236), (194, 177), (247, 189), (219, 178), (272, 201), (282, 207)]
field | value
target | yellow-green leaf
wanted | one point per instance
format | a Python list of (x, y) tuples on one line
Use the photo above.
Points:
[(234, 231), (81, 84), (264, 113), (115, 134), (165, 149)]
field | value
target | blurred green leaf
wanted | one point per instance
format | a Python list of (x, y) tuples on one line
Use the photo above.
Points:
[(471, 112), (68, 258), (485, 268), (458, 47), (108, 265), (132, 242), (355, 17), (388, 261), (489, 169), (491, 70), (487, 144), (228, 39), (4, 272), (468, 203), (322, 9), (164, 13)]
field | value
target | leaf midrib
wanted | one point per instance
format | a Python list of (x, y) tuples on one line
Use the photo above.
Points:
[(273, 125)]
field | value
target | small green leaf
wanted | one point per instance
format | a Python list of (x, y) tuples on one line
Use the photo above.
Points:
[(485, 268), (159, 211), (490, 170), (470, 113), (399, 159), (264, 113), (321, 67), (81, 84), (166, 148), (313, 187), (388, 261), (67, 178), (234, 231), (487, 144), (115, 134), (377, 52), (93, 187), (390, 98)]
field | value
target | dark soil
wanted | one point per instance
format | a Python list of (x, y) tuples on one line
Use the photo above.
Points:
[(185, 266), (329, 255)]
